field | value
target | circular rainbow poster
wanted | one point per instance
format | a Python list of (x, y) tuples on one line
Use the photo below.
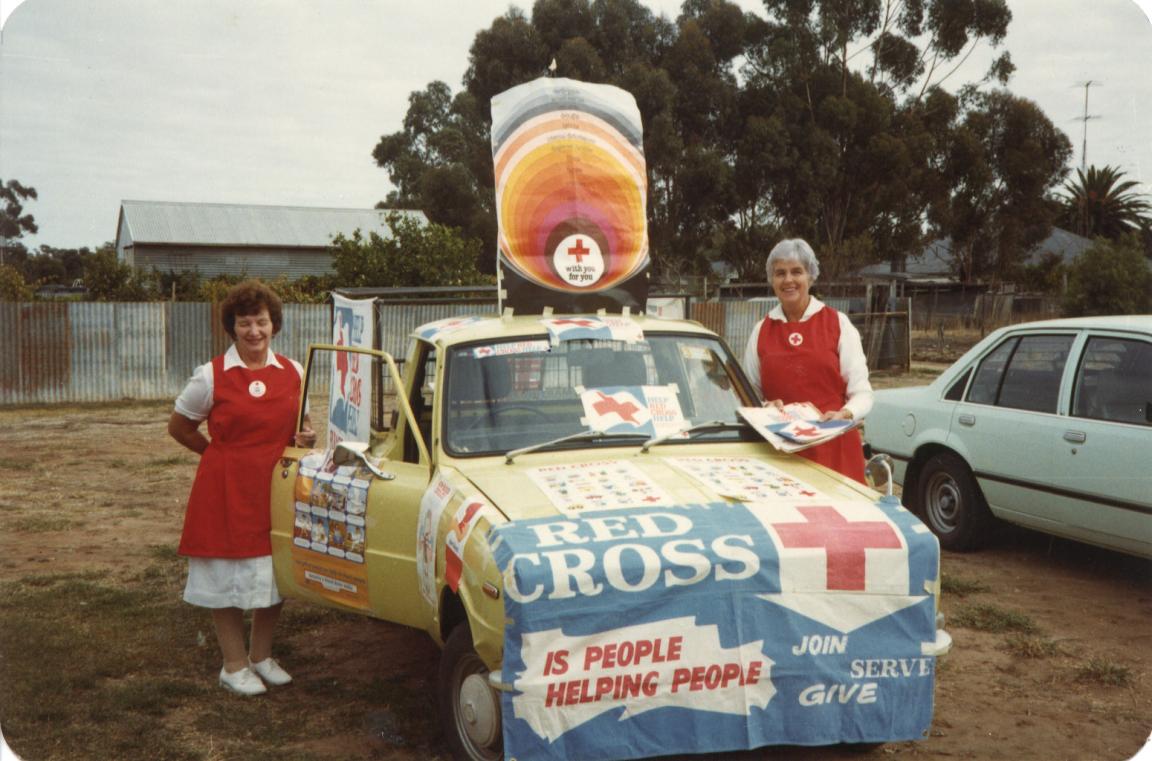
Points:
[(571, 194)]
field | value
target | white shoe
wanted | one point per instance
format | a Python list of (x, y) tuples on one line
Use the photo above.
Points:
[(270, 671), (242, 682)]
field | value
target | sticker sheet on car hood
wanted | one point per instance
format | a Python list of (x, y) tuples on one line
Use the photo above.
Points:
[(711, 627)]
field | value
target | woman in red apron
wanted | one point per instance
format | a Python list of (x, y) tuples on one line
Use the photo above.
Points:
[(249, 397), (804, 351)]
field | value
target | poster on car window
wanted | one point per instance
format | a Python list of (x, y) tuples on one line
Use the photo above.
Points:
[(571, 193), (350, 387), (641, 410), (699, 628)]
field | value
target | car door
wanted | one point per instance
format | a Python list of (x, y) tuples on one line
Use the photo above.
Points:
[(1009, 429), (1108, 436), (344, 535), (394, 504)]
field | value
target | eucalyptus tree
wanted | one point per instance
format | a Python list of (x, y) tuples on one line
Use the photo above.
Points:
[(850, 98), (1003, 158), (828, 119), (14, 222)]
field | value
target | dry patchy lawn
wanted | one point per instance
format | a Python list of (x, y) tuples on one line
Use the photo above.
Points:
[(99, 659)]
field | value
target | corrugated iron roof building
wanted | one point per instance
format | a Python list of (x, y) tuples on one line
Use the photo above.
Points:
[(232, 239)]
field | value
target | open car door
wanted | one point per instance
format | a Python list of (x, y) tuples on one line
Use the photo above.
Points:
[(344, 513)]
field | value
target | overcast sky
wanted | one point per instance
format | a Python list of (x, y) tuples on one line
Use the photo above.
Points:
[(282, 101)]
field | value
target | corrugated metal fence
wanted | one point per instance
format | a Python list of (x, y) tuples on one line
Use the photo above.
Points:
[(64, 352)]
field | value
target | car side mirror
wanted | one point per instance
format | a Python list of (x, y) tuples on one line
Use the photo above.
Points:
[(879, 471), (356, 452)]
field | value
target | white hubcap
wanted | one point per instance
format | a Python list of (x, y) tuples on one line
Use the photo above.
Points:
[(479, 711)]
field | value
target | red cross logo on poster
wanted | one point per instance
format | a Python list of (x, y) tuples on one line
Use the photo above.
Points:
[(579, 261), (844, 543), (608, 405)]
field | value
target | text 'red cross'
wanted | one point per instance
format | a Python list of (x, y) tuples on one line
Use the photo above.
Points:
[(578, 251), (610, 404), (844, 542)]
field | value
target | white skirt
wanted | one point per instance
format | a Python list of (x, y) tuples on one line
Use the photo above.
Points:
[(244, 583)]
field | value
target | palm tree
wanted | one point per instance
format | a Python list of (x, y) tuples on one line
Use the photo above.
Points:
[(1099, 204)]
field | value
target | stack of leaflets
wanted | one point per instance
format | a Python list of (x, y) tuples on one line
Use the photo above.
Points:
[(795, 427)]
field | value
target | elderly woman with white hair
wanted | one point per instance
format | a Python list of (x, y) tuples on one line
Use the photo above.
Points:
[(805, 351)]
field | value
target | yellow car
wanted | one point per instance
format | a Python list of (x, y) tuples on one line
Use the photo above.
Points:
[(615, 563)]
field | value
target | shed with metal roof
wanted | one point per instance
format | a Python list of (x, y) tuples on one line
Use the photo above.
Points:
[(232, 239)]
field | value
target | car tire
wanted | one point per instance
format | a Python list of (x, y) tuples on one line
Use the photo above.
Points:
[(861, 748), (469, 706), (950, 501)]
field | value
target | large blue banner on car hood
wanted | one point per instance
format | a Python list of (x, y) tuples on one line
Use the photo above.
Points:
[(701, 628)]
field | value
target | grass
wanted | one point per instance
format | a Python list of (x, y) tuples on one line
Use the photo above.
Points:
[(951, 584), (40, 524), (83, 674), (165, 462), (93, 666), (991, 618), (1032, 646), (1103, 671)]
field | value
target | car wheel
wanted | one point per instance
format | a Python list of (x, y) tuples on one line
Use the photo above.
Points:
[(469, 706), (950, 502)]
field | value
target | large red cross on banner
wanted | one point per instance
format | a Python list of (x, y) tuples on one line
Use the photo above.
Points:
[(579, 251), (607, 404), (844, 542)]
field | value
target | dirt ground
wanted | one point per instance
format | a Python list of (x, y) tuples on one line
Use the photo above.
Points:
[(95, 495)]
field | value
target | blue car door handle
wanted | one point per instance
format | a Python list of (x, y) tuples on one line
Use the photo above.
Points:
[(1075, 437)]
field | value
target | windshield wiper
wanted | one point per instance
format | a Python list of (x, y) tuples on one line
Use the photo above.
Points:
[(711, 425), (589, 434)]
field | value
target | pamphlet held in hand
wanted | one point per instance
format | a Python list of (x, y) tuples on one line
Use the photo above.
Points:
[(796, 427)]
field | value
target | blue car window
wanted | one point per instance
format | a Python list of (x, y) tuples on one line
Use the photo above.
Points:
[(1114, 381), (986, 384), (955, 392), (1022, 373)]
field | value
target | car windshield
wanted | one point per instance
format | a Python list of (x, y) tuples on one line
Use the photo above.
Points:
[(506, 395)]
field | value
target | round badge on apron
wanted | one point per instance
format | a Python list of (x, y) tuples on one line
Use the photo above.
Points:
[(257, 388), (795, 339)]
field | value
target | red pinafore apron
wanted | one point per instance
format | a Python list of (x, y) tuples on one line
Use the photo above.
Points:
[(799, 362), (253, 418)]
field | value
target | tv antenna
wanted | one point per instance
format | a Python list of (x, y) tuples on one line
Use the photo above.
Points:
[(1084, 139)]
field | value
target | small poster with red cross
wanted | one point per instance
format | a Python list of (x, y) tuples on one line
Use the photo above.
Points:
[(653, 410), (601, 327)]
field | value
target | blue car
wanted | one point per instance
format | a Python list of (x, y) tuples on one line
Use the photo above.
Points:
[(1045, 424)]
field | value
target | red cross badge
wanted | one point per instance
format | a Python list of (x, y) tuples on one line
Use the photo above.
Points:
[(795, 339)]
